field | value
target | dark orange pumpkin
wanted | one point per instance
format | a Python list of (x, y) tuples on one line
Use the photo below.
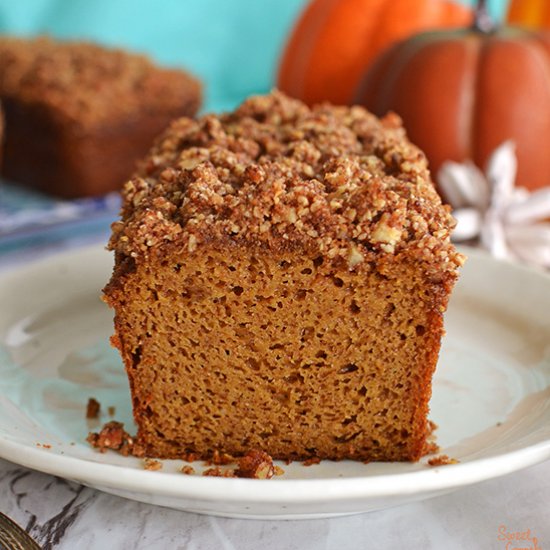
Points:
[(334, 41), (534, 14), (462, 93)]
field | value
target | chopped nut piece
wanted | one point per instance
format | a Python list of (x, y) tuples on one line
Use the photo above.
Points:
[(112, 436), (385, 234), (192, 244), (152, 464), (355, 257), (256, 464)]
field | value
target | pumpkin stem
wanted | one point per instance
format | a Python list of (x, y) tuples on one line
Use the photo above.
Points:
[(483, 22)]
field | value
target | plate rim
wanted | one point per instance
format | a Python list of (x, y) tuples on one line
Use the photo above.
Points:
[(234, 490), (436, 478)]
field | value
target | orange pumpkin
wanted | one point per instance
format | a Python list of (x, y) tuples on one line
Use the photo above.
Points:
[(530, 13), (462, 93), (335, 40)]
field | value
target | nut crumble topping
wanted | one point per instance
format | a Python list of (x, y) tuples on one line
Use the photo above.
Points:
[(86, 84), (278, 174)]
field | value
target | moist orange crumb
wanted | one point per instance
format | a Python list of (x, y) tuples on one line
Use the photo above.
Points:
[(188, 470)]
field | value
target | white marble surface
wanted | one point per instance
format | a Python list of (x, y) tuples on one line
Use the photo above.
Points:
[(63, 515)]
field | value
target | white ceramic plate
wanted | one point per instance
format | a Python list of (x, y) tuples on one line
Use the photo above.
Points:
[(491, 397)]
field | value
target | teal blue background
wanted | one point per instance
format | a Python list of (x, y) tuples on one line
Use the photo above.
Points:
[(232, 45)]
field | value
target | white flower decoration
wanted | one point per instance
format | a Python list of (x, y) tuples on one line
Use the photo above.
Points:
[(508, 221)]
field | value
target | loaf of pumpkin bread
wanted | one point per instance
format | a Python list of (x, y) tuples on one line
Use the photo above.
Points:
[(280, 280), (79, 116)]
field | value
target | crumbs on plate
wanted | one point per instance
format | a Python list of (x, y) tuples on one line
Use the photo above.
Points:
[(255, 464), (442, 460), (113, 436), (93, 409), (152, 464)]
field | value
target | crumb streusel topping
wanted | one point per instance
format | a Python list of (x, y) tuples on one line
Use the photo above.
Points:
[(278, 174), (85, 83)]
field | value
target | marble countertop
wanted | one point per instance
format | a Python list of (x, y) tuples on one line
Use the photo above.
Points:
[(64, 515)]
